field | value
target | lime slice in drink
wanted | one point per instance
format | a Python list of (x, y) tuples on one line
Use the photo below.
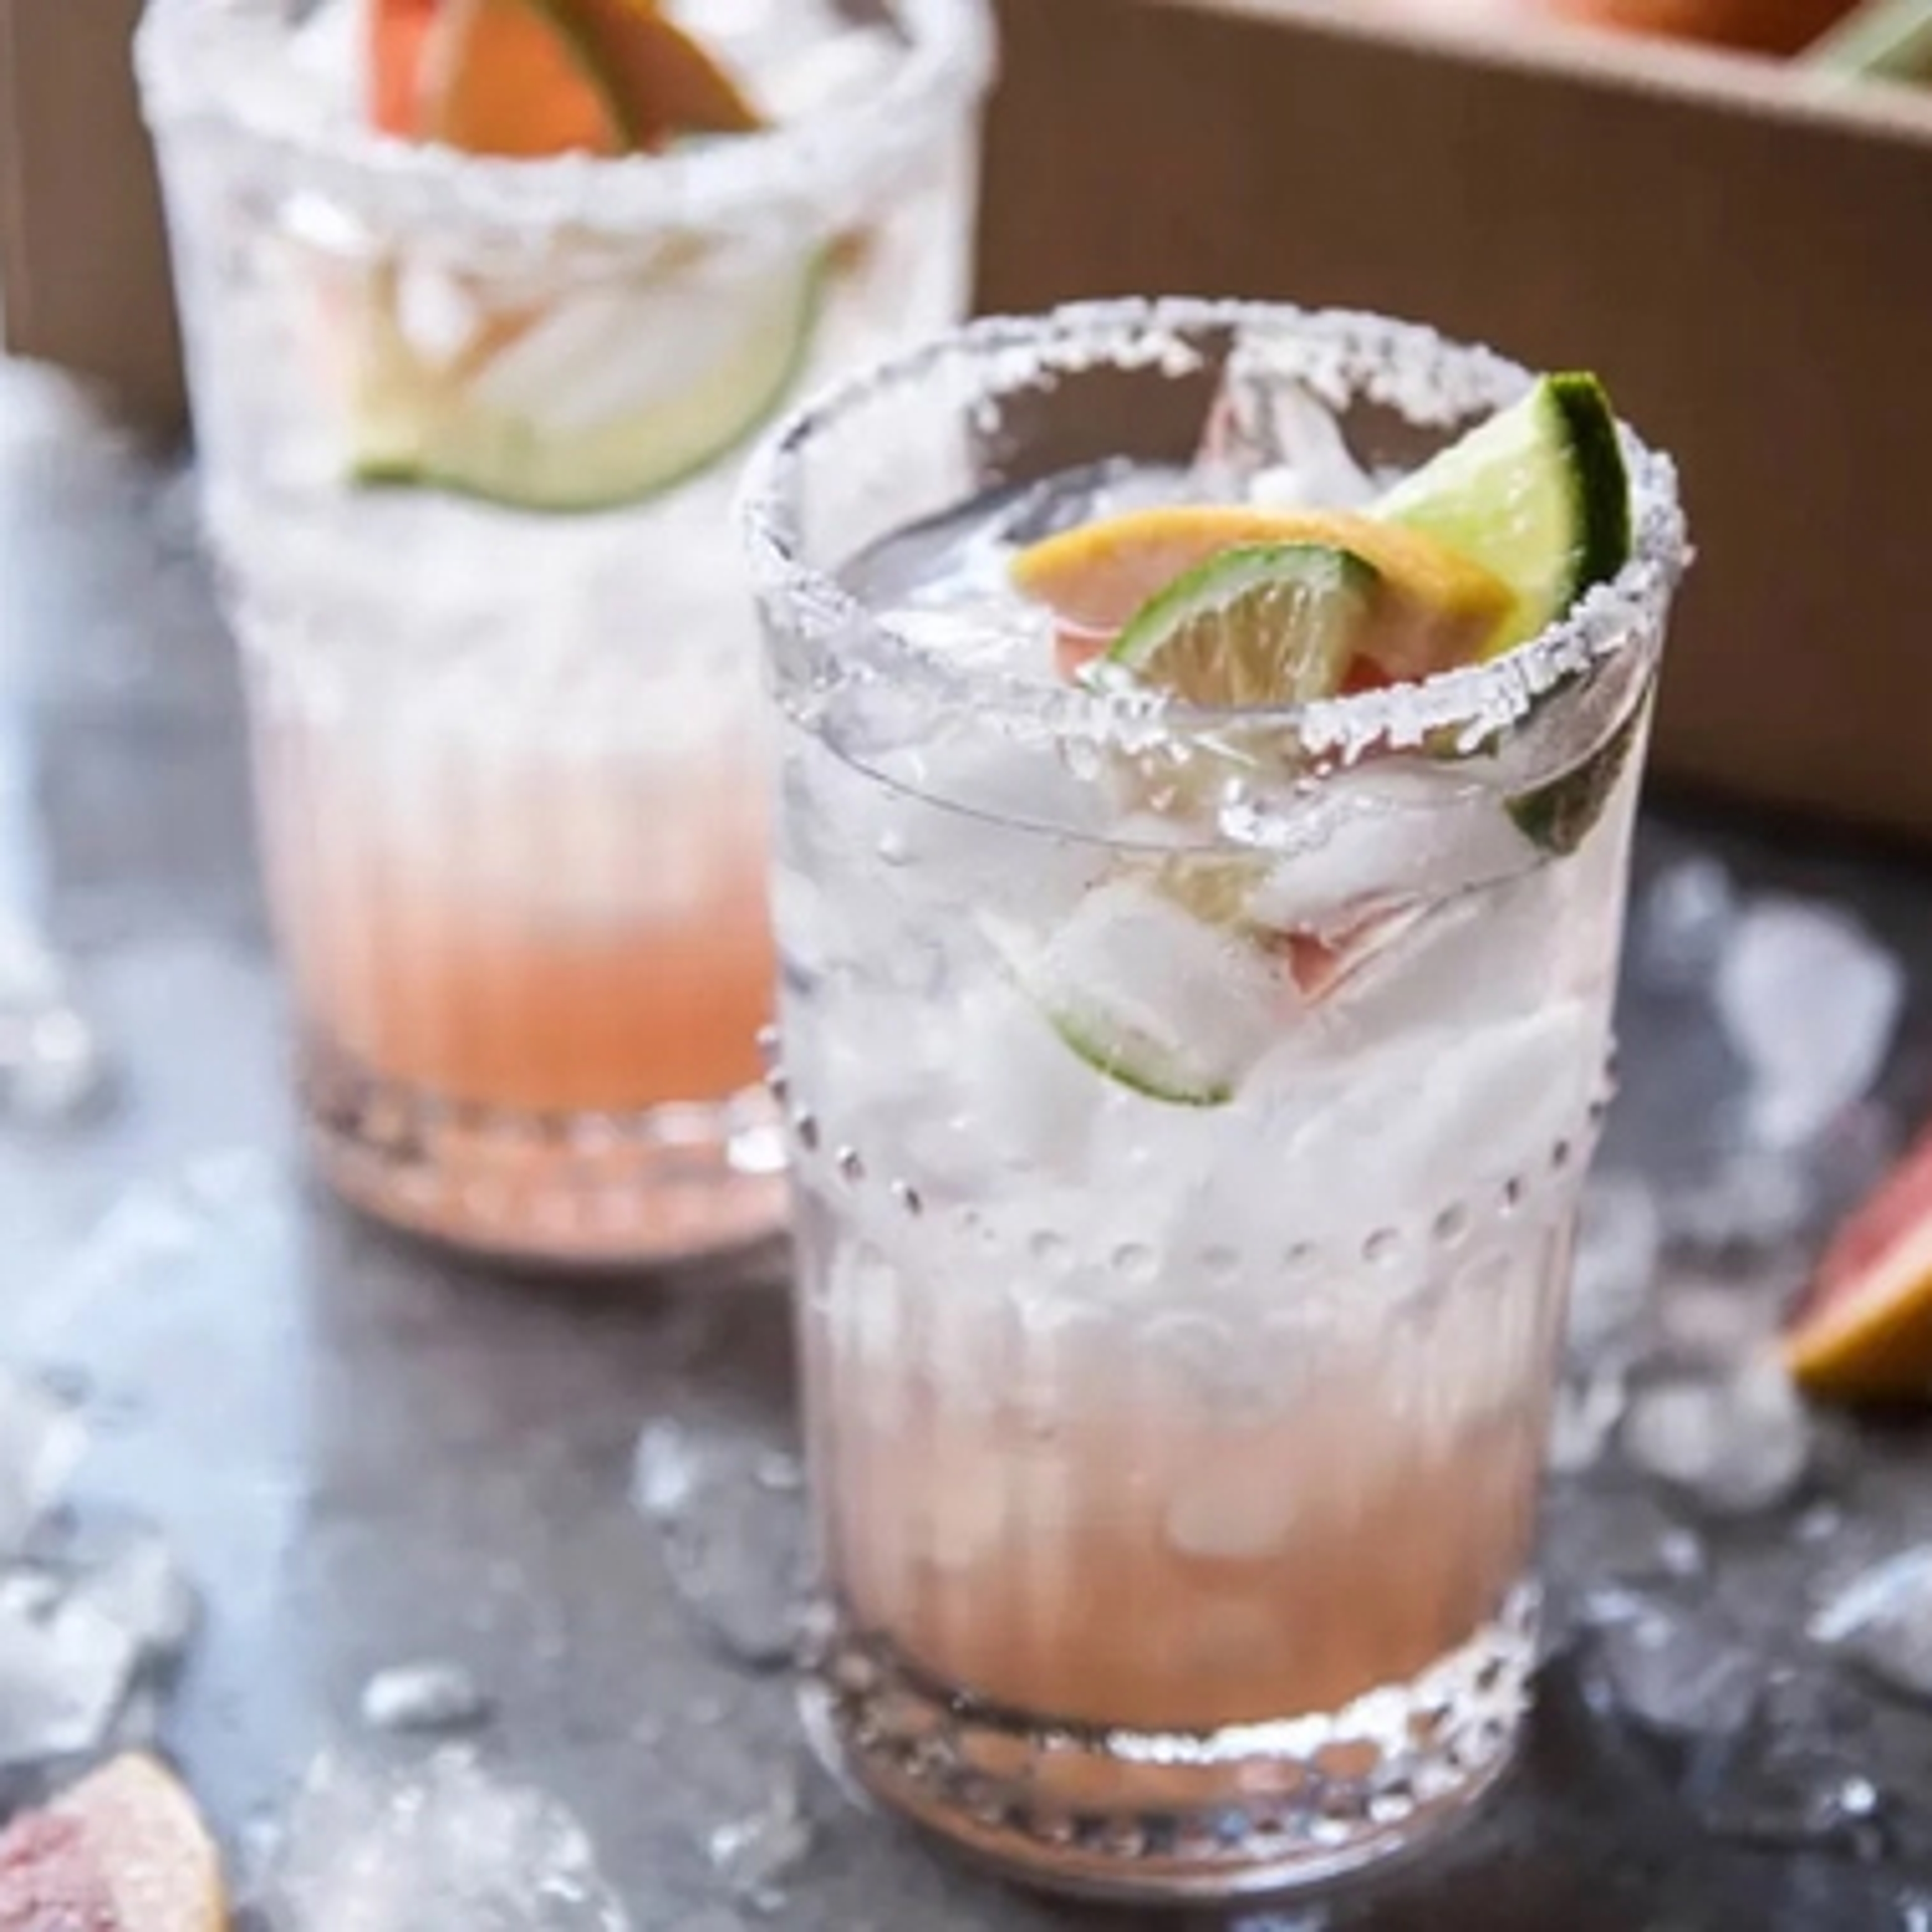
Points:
[(602, 398), (1260, 624), (1537, 494), (1162, 1001)]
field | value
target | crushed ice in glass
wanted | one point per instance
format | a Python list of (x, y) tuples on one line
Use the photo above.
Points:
[(1810, 1001), (1881, 1622), (1271, 442), (734, 1544), (445, 1846), (425, 1696), (1734, 1445)]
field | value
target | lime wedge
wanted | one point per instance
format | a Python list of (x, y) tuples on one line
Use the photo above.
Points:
[(1558, 816), (1537, 494), (1155, 998), (1258, 625), (585, 406)]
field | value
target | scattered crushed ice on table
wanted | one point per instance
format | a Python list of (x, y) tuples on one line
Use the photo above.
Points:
[(1683, 921), (1736, 1444), (1619, 1241), (1673, 1672), (1583, 1419), (754, 1854), (52, 1065), (1810, 1001), (731, 1526), (1882, 1621), (1780, 1793), (42, 1439), (429, 1696), (445, 1846)]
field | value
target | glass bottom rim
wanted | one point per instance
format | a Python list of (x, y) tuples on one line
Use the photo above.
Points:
[(1095, 1813), (584, 1192)]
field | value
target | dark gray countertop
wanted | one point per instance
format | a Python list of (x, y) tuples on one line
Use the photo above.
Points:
[(366, 1454)]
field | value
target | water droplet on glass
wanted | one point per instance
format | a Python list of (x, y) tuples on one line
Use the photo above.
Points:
[(1135, 1261)]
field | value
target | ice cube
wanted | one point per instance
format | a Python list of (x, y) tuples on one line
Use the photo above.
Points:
[(1222, 1517), (1382, 837), (1751, 1204), (41, 1442), (129, 1573), (65, 1666), (1174, 1005), (1882, 1621), (1269, 440), (1684, 921), (446, 1846), (1734, 1445), (1619, 1242), (1810, 1002), (756, 1853), (423, 1697), (1386, 1130), (52, 1065), (1677, 1673), (736, 1549), (1584, 1418)]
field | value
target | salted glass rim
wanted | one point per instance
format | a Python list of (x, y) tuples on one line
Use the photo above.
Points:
[(193, 58), (1404, 365)]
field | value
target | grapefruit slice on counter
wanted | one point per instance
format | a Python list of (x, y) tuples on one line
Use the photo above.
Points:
[(1865, 1332), (125, 1850)]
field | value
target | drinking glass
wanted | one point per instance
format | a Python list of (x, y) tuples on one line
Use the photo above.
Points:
[(468, 432), (1179, 1312)]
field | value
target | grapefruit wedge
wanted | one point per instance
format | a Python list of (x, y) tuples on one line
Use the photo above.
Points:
[(522, 79), (1435, 609), (1865, 1332), (398, 30), (124, 1851)]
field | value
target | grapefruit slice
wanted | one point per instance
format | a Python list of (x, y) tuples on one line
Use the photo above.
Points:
[(1097, 577), (524, 79), (1865, 1332), (515, 79), (398, 30), (124, 1851)]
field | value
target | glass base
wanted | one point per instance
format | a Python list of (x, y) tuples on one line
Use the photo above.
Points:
[(1255, 1809), (575, 1190)]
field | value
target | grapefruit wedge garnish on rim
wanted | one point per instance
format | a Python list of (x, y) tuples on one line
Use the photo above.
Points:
[(1864, 1331)]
